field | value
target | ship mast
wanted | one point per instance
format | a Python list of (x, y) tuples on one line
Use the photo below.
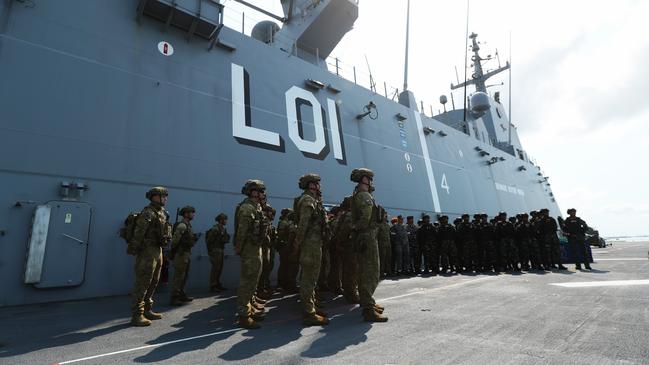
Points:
[(479, 77), (405, 71)]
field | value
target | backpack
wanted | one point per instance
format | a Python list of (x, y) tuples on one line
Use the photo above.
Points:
[(128, 230)]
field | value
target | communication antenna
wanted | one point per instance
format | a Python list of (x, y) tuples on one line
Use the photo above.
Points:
[(405, 71), (466, 51), (510, 87), (372, 83)]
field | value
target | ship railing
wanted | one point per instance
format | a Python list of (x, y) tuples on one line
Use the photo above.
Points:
[(244, 22)]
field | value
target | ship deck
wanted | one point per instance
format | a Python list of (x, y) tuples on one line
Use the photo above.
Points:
[(593, 317)]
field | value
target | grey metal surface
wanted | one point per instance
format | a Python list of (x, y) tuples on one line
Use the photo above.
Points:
[(37, 244), (86, 96), (462, 319)]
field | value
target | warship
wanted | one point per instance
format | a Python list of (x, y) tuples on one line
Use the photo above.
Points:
[(99, 100)]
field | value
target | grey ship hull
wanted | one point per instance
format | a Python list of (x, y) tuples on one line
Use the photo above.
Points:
[(85, 96)]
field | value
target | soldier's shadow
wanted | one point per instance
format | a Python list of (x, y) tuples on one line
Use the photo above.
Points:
[(345, 329)]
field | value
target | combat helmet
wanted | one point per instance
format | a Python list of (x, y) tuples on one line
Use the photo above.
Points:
[(251, 185), (220, 217), (308, 178), (358, 174), (156, 190), (187, 209)]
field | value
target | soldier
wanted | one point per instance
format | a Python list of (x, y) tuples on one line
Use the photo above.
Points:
[(286, 274), (350, 261), (425, 242), (152, 232), (416, 253), (552, 244), (310, 218), (575, 229), (522, 233), (385, 249), (446, 236), (459, 248), (336, 252), (248, 238), (466, 238), (397, 248), (486, 236), (364, 222), (215, 239), (537, 249), (182, 242), (267, 251)]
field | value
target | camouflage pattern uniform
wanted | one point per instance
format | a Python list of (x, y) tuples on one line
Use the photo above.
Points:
[(267, 249), (365, 219), (248, 238), (288, 260), (152, 232), (350, 260), (181, 245), (336, 253), (215, 240), (311, 221), (385, 249)]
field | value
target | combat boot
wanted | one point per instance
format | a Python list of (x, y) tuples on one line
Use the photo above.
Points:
[(150, 314), (248, 323), (588, 266), (185, 298), (370, 315), (138, 320), (175, 301), (378, 309), (561, 267), (314, 319), (258, 307), (320, 312), (578, 267), (258, 300)]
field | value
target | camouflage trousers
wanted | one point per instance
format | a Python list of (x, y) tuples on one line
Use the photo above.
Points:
[(385, 257), (250, 272), (368, 265), (325, 268), (350, 270), (267, 264), (448, 254), (310, 261), (216, 259), (288, 268), (336, 268), (181, 269), (148, 264)]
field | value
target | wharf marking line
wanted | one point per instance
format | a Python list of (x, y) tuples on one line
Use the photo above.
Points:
[(149, 346), (422, 291), (623, 259), (590, 284)]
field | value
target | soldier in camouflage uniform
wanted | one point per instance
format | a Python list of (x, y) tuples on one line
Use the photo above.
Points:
[(385, 249), (310, 218), (350, 261), (247, 243), (215, 239), (267, 251), (365, 219), (182, 242), (152, 232), (288, 260), (336, 252)]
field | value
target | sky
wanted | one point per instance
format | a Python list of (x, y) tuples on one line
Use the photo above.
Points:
[(580, 99)]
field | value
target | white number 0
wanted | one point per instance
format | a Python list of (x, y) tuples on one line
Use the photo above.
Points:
[(444, 184)]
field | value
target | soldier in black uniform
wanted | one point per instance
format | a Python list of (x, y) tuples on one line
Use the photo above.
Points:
[(549, 229), (522, 233), (459, 248), (486, 235), (539, 256), (575, 229), (446, 238), (466, 239), (425, 241)]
